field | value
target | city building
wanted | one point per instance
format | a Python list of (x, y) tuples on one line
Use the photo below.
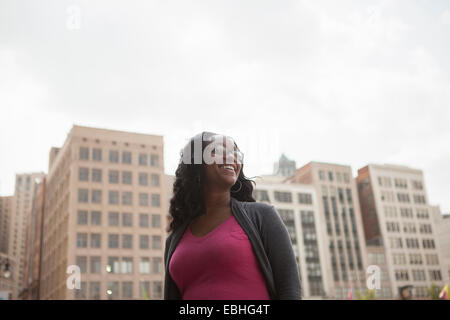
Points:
[(284, 167), (397, 217), (340, 226), (6, 204), (33, 248), (21, 212), (105, 209), (297, 205), (442, 223)]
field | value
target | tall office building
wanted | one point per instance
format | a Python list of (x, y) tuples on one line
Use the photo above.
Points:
[(6, 204), (341, 227), (397, 217), (105, 210), (442, 223), (23, 196), (297, 205), (33, 248), (6, 262), (284, 166)]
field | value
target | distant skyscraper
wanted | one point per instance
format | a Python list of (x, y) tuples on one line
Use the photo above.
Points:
[(105, 212), (340, 227), (284, 167), (442, 223), (6, 204), (297, 205), (22, 203), (397, 217)]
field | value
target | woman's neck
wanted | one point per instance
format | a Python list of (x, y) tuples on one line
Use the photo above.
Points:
[(216, 201)]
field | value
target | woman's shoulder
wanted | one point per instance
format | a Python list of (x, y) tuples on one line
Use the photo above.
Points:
[(259, 210)]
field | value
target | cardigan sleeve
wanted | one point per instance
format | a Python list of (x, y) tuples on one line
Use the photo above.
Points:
[(278, 247)]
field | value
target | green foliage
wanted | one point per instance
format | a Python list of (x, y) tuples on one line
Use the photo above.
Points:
[(433, 292)]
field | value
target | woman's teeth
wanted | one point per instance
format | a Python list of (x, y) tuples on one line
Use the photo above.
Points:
[(229, 168)]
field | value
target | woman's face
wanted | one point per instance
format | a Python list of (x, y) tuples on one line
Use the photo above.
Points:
[(225, 169)]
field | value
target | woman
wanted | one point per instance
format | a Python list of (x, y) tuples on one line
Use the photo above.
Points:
[(223, 245)]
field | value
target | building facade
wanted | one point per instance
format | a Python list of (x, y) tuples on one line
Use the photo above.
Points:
[(397, 217), (341, 226), (23, 197), (6, 262), (105, 210), (284, 167), (442, 223), (297, 206), (33, 249)]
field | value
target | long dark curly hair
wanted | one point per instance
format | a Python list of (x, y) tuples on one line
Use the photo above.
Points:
[(187, 201)]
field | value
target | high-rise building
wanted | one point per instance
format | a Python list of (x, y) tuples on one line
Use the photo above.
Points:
[(23, 197), (33, 248), (297, 205), (442, 223), (6, 205), (6, 262), (341, 227), (284, 166), (397, 216), (105, 210)]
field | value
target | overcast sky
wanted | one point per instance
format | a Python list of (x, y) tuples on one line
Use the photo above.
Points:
[(349, 82)]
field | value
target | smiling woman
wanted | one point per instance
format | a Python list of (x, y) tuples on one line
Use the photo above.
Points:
[(223, 244)]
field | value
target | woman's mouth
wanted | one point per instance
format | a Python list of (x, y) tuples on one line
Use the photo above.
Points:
[(228, 168)]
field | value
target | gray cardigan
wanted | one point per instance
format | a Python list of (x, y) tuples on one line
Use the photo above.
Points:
[(270, 241)]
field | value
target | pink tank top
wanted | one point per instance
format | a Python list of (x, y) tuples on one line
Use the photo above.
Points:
[(221, 265)]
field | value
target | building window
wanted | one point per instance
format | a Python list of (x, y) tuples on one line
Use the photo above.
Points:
[(156, 221), (143, 220), (157, 289), (305, 198), (156, 242), (84, 153), (145, 289), (81, 240), (97, 175), (83, 195), (143, 159), (113, 176), (113, 219), (127, 265), (81, 293), (143, 241), (94, 290), (127, 177), (113, 197), (83, 174), (143, 199), (321, 175), (126, 157), (82, 217), (95, 264), (96, 240), (113, 290), (154, 180), (154, 160), (96, 218), (97, 154), (114, 156), (261, 195), (81, 262), (283, 196), (127, 290), (127, 219), (127, 198), (113, 241), (144, 265), (127, 241), (155, 200), (96, 196), (113, 265), (143, 179), (157, 265)]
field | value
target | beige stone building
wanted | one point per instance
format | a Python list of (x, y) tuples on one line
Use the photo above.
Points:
[(21, 211), (397, 217), (442, 223), (298, 207), (341, 227), (105, 212)]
